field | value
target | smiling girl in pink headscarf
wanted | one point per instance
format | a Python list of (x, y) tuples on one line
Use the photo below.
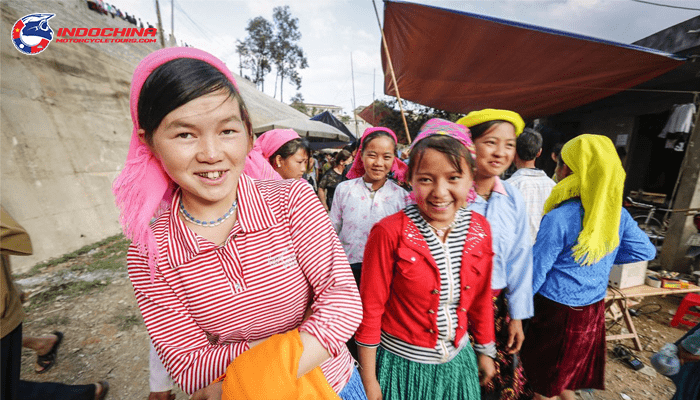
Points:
[(278, 154), (226, 273)]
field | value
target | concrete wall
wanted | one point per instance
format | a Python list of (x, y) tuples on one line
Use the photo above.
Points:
[(64, 130)]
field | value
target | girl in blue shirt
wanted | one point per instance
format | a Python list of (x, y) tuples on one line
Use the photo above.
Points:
[(494, 133)]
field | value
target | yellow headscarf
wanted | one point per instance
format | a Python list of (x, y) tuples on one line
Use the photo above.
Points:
[(490, 114), (598, 179)]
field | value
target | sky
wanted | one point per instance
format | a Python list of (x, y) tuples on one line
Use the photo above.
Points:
[(333, 31)]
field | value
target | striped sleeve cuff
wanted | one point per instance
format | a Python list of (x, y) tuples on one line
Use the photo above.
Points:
[(371, 346), (488, 349)]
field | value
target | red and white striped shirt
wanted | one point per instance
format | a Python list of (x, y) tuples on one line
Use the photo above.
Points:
[(208, 301)]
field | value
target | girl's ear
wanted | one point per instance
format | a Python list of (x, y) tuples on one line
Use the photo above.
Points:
[(142, 137), (277, 162)]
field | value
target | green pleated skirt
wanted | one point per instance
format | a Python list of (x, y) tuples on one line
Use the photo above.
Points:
[(402, 379)]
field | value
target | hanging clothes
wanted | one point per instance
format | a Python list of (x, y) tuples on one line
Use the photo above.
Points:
[(677, 128)]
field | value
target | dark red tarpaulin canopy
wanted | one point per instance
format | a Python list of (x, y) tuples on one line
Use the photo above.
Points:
[(459, 62)]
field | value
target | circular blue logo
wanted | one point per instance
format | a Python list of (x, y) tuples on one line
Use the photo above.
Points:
[(32, 34)]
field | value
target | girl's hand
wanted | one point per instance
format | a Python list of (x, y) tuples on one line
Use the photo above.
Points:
[(516, 336), (372, 388), (487, 369), (211, 392)]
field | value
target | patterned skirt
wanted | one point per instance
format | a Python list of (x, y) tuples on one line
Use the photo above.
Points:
[(564, 347), (402, 379), (509, 382)]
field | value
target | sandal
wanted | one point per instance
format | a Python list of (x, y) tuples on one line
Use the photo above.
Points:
[(105, 388), (46, 361)]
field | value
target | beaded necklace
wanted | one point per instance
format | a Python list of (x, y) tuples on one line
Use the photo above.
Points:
[(216, 222), (440, 232)]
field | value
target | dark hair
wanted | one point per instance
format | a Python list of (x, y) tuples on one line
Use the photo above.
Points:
[(341, 156), (479, 129), (528, 144), (449, 146), (375, 135), (351, 147), (621, 152), (557, 149), (290, 148), (178, 82)]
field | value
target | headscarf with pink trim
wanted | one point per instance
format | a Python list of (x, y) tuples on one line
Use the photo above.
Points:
[(437, 126), (357, 170), (257, 164), (143, 189)]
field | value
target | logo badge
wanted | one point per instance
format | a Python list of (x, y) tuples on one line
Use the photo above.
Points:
[(32, 34)]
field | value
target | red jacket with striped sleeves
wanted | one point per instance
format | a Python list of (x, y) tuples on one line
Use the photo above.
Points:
[(208, 301)]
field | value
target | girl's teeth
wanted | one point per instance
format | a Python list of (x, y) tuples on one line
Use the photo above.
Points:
[(212, 175)]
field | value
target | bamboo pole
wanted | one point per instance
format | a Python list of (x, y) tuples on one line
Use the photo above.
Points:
[(160, 27), (391, 70)]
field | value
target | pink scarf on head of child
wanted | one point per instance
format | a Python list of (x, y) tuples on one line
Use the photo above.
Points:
[(357, 170), (257, 164), (143, 189)]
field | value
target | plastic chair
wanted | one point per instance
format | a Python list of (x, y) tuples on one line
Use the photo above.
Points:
[(690, 300)]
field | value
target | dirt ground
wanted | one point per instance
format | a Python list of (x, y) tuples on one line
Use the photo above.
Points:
[(87, 296)]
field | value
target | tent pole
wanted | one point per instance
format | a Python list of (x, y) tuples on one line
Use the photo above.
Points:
[(393, 75)]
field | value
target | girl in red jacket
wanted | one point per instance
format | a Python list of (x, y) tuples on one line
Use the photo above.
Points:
[(426, 278)]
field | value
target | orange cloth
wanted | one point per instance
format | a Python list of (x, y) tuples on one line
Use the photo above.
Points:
[(268, 371)]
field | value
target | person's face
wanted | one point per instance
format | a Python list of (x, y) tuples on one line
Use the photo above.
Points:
[(561, 171), (378, 157), (292, 167), (495, 150), (202, 146), (440, 190)]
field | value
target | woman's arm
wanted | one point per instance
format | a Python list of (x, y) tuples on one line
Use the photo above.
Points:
[(322, 196), (519, 264), (480, 312), (314, 354), (368, 371), (548, 246), (519, 276), (336, 212), (337, 310), (188, 356), (634, 243), (376, 281)]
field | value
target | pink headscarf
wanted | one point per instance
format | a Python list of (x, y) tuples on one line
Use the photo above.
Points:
[(143, 189), (358, 168), (257, 164), (437, 126)]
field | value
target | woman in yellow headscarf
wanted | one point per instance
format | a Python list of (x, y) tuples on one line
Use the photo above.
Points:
[(583, 233), (495, 133)]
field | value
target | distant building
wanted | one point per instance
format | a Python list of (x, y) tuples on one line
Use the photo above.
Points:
[(315, 109)]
